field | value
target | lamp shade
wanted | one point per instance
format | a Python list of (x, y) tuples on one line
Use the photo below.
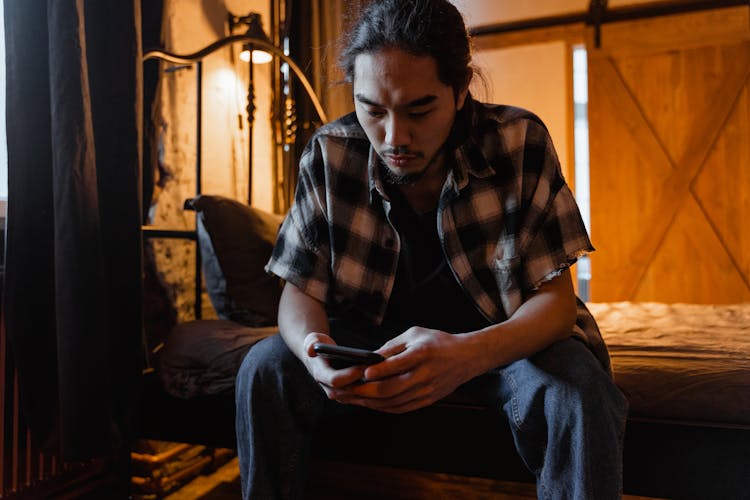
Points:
[(254, 30), (259, 56)]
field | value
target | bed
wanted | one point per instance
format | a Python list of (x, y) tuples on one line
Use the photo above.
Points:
[(685, 369)]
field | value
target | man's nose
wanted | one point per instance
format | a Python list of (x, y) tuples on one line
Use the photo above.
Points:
[(397, 132)]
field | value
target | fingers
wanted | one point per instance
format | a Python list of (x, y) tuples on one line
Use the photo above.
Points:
[(390, 392), (313, 338), (399, 404), (406, 407), (412, 376), (320, 369), (340, 387), (392, 347)]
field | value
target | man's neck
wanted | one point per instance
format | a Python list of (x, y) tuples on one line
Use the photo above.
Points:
[(424, 194)]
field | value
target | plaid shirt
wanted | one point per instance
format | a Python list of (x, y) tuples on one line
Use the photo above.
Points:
[(506, 219)]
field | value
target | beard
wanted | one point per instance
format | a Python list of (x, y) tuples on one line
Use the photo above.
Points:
[(396, 179)]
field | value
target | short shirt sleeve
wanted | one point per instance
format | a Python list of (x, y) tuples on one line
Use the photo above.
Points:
[(559, 242), (301, 253), (553, 235)]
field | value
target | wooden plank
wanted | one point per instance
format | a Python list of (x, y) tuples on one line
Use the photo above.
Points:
[(675, 188), (337, 480), (613, 192), (723, 186), (699, 133), (629, 113), (677, 32), (691, 265), (571, 33), (343, 481), (636, 37)]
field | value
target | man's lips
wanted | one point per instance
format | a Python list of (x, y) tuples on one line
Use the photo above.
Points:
[(400, 160)]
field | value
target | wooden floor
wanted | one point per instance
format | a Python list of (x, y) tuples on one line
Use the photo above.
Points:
[(337, 481)]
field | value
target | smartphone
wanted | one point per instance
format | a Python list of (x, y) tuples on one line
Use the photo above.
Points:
[(344, 357)]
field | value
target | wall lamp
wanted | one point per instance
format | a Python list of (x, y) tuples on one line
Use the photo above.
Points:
[(255, 31), (261, 44), (257, 43)]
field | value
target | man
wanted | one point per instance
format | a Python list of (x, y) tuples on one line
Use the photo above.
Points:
[(438, 231)]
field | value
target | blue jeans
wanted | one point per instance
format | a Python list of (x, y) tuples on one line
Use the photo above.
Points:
[(566, 415)]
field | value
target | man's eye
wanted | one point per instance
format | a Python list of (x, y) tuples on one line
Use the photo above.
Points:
[(375, 114), (419, 114)]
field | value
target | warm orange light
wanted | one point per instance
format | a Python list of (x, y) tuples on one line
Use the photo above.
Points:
[(259, 56)]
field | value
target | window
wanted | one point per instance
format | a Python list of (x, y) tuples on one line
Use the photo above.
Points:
[(581, 144)]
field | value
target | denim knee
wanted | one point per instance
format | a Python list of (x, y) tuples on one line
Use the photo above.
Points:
[(578, 382), (277, 403), (568, 418), (272, 375), (268, 358)]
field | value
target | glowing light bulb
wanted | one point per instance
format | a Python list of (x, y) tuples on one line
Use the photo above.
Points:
[(259, 56)]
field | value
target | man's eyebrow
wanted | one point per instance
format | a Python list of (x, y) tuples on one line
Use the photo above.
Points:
[(364, 100), (421, 101)]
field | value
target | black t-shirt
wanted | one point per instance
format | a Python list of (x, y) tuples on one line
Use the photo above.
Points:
[(425, 292)]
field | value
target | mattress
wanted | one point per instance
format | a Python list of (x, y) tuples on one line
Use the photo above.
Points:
[(685, 362), (682, 362)]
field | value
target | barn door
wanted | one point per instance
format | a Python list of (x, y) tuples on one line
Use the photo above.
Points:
[(669, 116)]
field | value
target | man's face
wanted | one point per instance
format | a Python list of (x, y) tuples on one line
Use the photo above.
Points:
[(405, 110)]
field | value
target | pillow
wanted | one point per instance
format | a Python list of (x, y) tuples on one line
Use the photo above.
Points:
[(236, 241), (202, 357)]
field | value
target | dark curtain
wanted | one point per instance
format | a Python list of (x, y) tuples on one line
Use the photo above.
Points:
[(151, 36), (73, 263)]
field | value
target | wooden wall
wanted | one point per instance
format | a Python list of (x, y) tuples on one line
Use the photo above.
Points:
[(669, 112)]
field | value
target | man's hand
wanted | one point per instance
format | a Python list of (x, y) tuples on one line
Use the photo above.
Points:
[(302, 319), (329, 379), (422, 366)]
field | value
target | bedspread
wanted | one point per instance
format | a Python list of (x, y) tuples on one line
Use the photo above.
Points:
[(686, 362)]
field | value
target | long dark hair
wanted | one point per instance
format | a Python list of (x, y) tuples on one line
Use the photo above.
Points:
[(432, 28)]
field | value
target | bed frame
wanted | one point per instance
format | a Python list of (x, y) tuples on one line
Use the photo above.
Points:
[(663, 457)]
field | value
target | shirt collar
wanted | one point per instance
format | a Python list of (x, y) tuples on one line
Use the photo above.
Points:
[(374, 176), (470, 153)]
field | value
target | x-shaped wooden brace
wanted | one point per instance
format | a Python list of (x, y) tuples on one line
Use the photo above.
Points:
[(678, 185)]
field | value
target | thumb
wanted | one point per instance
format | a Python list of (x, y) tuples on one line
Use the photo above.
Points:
[(391, 348), (313, 338)]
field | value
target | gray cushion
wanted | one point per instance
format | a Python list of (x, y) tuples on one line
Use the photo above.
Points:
[(236, 241), (202, 357)]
